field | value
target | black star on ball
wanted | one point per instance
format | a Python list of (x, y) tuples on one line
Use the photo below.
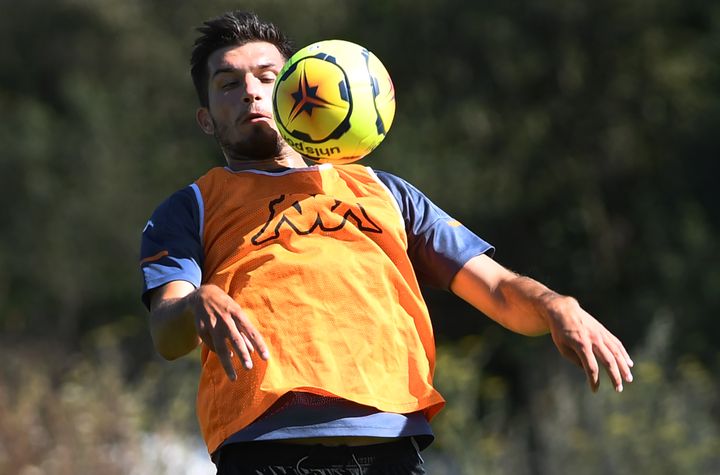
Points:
[(306, 98)]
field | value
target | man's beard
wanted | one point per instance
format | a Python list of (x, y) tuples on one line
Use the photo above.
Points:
[(263, 143)]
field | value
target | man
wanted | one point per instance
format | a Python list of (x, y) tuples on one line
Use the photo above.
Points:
[(301, 283)]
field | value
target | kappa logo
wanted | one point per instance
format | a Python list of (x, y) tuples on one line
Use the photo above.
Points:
[(302, 217)]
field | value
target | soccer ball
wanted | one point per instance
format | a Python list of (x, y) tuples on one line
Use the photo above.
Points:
[(333, 101)]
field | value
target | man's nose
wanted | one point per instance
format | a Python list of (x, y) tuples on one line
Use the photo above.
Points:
[(253, 91)]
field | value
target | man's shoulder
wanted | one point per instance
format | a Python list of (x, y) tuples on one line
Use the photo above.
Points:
[(376, 174), (213, 173), (182, 200)]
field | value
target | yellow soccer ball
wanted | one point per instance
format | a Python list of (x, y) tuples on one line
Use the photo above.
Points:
[(333, 101)]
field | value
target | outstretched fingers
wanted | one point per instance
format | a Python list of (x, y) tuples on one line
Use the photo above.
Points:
[(251, 337), (224, 354), (590, 366), (620, 357), (240, 339), (587, 343), (226, 330), (610, 363), (239, 342), (608, 352)]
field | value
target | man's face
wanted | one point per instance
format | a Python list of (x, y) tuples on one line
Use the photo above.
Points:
[(239, 113)]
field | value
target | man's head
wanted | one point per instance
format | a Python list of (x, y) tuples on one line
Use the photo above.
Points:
[(231, 29), (234, 65)]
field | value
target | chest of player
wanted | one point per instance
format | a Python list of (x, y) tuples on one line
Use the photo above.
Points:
[(299, 210)]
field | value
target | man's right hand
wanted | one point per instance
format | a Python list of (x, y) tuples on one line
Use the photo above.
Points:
[(181, 316), (225, 328)]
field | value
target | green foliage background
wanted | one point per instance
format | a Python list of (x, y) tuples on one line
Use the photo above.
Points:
[(578, 137)]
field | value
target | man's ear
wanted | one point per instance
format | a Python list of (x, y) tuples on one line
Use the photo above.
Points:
[(204, 120)]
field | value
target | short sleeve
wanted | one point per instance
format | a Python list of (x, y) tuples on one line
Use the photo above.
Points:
[(438, 245), (171, 246)]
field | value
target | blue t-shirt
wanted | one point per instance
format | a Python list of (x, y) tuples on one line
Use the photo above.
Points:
[(172, 250)]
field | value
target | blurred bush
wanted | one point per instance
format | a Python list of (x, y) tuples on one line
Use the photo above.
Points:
[(666, 422), (74, 414), (67, 414)]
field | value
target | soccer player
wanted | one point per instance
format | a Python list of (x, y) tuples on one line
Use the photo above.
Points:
[(302, 285)]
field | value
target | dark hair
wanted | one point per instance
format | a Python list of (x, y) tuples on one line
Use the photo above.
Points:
[(231, 29)]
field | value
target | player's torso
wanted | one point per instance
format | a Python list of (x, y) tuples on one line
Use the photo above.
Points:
[(317, 259)]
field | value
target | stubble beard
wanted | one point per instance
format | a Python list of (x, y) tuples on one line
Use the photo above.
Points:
[(262, 143)]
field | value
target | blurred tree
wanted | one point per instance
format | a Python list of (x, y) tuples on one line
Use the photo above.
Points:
[(578, 137)]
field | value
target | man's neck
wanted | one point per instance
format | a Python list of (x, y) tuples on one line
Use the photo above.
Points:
[(287, 159)]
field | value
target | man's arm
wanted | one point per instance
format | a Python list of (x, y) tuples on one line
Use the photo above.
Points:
[(182, 316), (525, 306), (172, 322)]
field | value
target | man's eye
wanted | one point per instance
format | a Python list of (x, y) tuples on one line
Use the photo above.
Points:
[(267, 78), (229, 85)]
